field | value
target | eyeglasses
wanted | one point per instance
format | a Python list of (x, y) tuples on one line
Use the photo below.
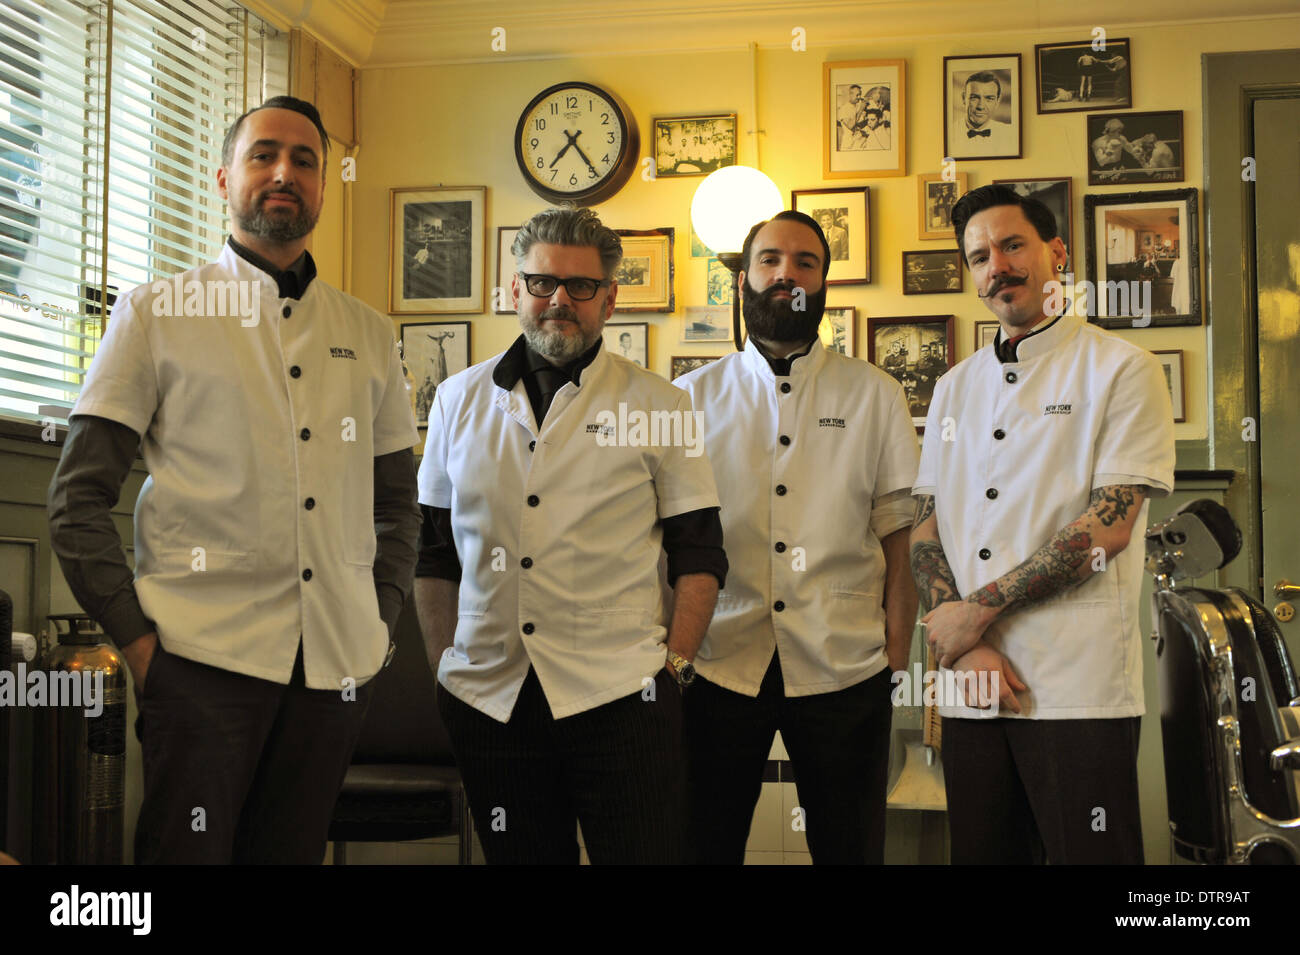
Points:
[(579, 289)]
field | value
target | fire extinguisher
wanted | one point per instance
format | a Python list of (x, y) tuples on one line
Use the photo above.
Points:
[(82, 758)]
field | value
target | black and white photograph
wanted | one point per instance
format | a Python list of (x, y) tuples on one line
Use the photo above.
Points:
[(1053, 193), (681, 364), (1135, 148), (1088, 75), (502, 303), (436, 248), (935, 198), (985, 333), (719, 283), (633, 272), (1171, 361), (706, 324), (628, 340), (862, 120), (1143, 256), (838, 330), (932, 271), (981, 106), (916, 350), (646, 274), (845, 217), (433, 351), (694, 145)]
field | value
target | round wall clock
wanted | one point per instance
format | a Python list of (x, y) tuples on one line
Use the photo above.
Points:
[(576, 141)]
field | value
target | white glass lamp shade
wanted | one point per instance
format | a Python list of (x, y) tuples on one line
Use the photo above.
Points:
[(729, 202)]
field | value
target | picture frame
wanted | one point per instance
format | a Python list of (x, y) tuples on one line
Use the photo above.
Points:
[(915, 350), (646, 273), (433, 351), (1078, 77), (1135, 148), (1171, 360), (679, 365), (935, 197), (1136, 237), (985, 333), (932, 272), (848, 212), (437, 242), (631, 340), (707, 323), (693, 145), (864, 119), (1056, 194), (839, 329), (718, 290), (981, 106), (505, 269)]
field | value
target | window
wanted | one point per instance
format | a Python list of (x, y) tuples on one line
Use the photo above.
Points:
[(111, 121)]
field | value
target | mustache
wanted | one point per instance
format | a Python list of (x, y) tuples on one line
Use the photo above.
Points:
[(1009, 281), (280, 194), (558, 311)]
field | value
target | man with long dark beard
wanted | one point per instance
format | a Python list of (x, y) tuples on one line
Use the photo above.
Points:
[(814, 454)]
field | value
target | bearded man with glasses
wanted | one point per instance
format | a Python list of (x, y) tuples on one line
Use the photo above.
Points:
[(560, 667)]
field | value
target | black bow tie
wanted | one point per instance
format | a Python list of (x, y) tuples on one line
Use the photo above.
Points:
[(972, 133)]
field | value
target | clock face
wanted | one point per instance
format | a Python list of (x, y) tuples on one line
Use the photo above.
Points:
[(573, 141)]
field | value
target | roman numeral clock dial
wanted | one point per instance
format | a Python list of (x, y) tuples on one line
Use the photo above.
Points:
[(576, 142)]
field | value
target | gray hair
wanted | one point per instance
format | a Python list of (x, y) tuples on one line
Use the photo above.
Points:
[(579, 227)]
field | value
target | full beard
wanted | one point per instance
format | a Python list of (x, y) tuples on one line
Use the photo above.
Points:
[(278, 227), (556, 345), (779, 321)]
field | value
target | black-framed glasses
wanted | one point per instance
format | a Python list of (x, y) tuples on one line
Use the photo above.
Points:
[(579, 288)]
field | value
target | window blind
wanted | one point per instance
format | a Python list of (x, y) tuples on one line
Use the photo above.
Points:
[(112, 115)]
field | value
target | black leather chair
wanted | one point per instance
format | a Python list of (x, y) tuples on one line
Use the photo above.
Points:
[(403, 783)]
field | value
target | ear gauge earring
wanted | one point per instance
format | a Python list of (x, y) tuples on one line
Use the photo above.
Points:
[(1060, 268)]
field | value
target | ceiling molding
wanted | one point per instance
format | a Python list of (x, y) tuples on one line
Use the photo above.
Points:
[(348, 27)]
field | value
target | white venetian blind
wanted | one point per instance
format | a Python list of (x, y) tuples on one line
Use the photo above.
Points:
[(112, 116)]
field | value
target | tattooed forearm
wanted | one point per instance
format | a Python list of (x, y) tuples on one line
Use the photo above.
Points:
[(924, 508), (1114, 502), (1053, 569), (935, 583)]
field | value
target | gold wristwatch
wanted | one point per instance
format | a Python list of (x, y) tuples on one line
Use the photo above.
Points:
[(683, 669)]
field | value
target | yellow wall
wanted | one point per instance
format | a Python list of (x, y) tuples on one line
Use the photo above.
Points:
[(454, 125)]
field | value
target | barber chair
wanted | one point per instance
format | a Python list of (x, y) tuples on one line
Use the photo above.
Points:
[(1230, 703), (403, 783)]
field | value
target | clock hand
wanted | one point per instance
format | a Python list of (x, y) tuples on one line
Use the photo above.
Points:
[(565, 149), (574, 143)]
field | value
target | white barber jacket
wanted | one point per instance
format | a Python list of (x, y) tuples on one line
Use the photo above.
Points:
[(242, 423), (1026, 444), (814, 469), (558, 532)]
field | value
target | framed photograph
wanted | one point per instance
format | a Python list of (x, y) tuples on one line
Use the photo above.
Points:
[(1053, 193), (502, 302), (1135, 148), (706, 324), (436, 246), (934, 271), (845, 217), (1171, 360), (694, 145), (935, 197), (719, 283), (863, 119), (645, 276), (433, 351), (631, 340), (1143, 256), (981, 106), (916, 350), (681, 364), (985, 332), (1090, 74), (838, 330)]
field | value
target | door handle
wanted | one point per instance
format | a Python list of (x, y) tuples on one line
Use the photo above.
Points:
[(1286, 590)]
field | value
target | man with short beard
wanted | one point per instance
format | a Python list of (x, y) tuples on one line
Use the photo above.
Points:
[(815, 455), (548, 503), (275, 537)]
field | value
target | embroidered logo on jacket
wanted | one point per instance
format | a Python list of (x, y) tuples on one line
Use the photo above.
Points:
[(342, 353), (1056, 409), (830, 422)]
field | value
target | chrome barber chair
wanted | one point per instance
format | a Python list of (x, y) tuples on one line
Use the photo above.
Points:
[(1229, 701)]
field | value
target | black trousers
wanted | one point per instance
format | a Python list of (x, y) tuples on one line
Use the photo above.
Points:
[(616, 769), (838, 743), (1023, 792), (238, 769)]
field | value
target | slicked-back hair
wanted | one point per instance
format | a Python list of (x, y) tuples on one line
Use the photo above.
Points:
[(570, 226), (987, 197), (793, 216), (983, 76), (278, 102)]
